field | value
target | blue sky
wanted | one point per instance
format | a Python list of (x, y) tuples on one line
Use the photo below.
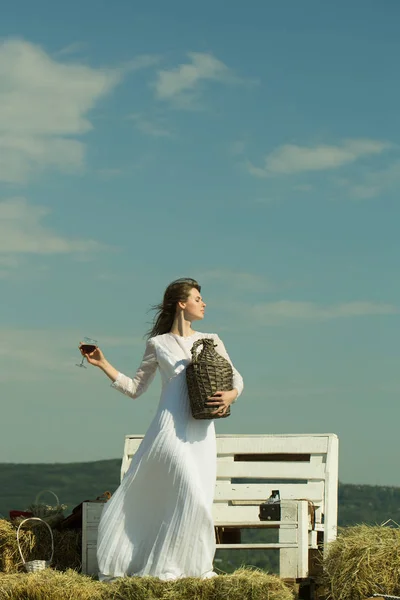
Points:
[(252, 146)]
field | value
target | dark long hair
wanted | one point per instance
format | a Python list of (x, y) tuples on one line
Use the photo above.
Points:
[(177, 291)]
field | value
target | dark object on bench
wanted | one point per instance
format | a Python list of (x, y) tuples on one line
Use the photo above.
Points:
[(271, 509)]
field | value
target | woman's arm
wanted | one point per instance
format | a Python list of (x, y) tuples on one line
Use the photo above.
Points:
[(132, 387), (221, 400), (237, 378)]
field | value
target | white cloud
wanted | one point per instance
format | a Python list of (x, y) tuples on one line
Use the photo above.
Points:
[(73, 48), (151, 128), (290, 158), (285, 310), (372, 183), (44, 106), (143, 61), (180, 86), (22, 231)]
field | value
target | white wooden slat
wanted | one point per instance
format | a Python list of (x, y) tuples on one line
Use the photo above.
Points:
[(93, 512), (84, 558), (318, 459), (276, 444), (288, 556), (331, 492), (257, 525), (92, 534), (132, 443), (237, 514), (91, 561), (225, 490), (269, 470), (302, 560), (312, 539), (253, 546), (234, 514)]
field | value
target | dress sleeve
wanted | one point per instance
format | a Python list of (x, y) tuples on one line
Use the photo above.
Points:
[(143, 377), (237, 378)]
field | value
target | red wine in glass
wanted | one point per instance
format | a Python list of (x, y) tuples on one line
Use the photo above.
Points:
[(87, 346)]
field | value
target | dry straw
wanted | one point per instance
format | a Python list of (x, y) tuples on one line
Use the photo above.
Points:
[(363, 561), (35, 544), (50, 585)]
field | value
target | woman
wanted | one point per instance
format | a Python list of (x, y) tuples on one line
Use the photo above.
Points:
[(159, 520)]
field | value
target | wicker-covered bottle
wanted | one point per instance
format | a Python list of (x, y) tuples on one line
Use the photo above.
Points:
[(208, 373)]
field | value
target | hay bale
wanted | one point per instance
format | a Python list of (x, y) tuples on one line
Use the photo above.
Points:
[(36, 544), (52, 585), (363, 561), (247, 583)]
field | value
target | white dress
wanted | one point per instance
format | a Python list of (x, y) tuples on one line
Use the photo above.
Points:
[(159, 520)]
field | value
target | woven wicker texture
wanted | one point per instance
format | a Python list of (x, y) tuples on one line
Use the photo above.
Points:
[(208, 373)]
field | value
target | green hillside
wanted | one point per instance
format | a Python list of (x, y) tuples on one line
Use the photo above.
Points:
[(72, 482), (75, 482)]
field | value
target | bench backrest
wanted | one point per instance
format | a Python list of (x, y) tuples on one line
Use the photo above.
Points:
[(249, 467)]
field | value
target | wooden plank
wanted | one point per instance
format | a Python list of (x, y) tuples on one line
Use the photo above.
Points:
[(331, 492), (288, 556), (271, 470), (302, 539), (92, 567), (312, 539), (243, 514), (132, 443), (93, 512), (255, 525), (224, 490), (273, 443), (92, 535), (255, 546)]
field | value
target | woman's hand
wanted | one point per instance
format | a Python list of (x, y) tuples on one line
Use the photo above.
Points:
[(222, 401), (95, 358)]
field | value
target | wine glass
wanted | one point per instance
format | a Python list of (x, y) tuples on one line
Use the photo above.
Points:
[(88, 345)]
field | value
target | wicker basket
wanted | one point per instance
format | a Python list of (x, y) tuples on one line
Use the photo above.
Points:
[(32, 566), (51, 514), (208, 373)]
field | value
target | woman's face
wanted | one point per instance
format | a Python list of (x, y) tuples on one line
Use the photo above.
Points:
[(194, 306)]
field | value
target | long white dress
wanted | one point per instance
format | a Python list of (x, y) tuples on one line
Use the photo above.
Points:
[(159, 520)]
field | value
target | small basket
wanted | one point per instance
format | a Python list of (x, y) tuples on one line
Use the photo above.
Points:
[(50, 514), (208, 373), (32, 566)]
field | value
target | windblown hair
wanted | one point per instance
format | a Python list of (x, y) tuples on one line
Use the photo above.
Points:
[(177, 291)]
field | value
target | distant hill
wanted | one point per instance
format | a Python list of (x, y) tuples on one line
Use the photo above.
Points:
[(75, 482), (72, 482)]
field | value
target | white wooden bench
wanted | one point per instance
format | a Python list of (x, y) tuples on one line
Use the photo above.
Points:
[(303, 467)]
